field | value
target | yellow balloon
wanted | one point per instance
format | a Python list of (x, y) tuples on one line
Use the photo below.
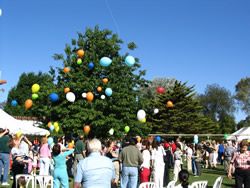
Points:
[(56, 124), (19, 134), (56, 129), (35, 88), (143, 120), (73, 142)]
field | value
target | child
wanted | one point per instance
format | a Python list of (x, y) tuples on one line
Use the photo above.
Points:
[(183, 178), (21, 182)]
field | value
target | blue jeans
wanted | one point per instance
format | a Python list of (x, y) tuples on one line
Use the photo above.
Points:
[(194, 168), (4, 164), (129, 177)]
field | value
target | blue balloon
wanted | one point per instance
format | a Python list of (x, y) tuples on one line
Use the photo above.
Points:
[(108, 92), (105, 61), (51, 127), (53, 97), (14, 103), (50, 140), (158, 139), (130, 60), (91, 65)]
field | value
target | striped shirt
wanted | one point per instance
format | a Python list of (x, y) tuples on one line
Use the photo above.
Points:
[(241, 160)]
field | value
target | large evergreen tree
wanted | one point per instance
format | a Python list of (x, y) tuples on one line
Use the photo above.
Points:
[(115, 111), (179, 112)]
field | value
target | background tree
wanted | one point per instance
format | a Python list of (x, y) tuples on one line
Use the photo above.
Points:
[(243, 94), (185, 116), (218, 104), (22, 91)]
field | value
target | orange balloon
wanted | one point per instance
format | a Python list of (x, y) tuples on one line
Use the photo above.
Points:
[(170, 104), (86, 129), (28, 104), (66, 69), (70, 145), (90, 96), (80, 53), (105, 80), (49, 124), (66, 90), (99, 89)]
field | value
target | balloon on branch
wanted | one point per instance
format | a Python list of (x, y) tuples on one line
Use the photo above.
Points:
[(70, 97), (225, 136), (170, 104), (99, 89), (156, 111), (138, 139), (35, 88), (126, 129), (130, 60), (53, 97), (28, 104), (66, 69), (66, 89), (103, 97), (141, 114), (14, 103), (105, 80), (91, 65), (79, 61), (108, 92), (160, 90), (111, 131), (84, 95), (86, 129), (57, 129), (105, 61), (143, 120), (90, 96), (80, 53), (35, 96)]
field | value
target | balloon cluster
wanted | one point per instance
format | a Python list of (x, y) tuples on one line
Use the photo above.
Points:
[(54, 126)]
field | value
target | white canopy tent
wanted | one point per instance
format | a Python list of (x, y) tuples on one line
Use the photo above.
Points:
[(241, 134), (14, 125)]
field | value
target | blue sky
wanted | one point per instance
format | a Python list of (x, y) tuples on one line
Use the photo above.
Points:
[(198, 41)]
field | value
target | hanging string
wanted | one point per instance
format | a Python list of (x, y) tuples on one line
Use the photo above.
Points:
[(112, 16)]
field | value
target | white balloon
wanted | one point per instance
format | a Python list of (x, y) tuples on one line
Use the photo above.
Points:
[(103, 97), (70, 97), (111, 131), (156, 110), (141, 114), (84, 95)]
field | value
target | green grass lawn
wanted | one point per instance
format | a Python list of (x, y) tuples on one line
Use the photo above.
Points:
[(207, 174)]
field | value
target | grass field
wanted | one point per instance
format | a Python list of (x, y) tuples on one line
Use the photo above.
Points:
[(207, 174)]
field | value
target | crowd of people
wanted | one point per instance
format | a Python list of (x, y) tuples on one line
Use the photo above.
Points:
[(113, 163)]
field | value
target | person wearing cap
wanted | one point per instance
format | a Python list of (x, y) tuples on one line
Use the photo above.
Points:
[(241, 161)]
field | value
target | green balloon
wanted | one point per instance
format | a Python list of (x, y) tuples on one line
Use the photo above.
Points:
[(225, 136), (126, 129), (79, 61), (35, 96)]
